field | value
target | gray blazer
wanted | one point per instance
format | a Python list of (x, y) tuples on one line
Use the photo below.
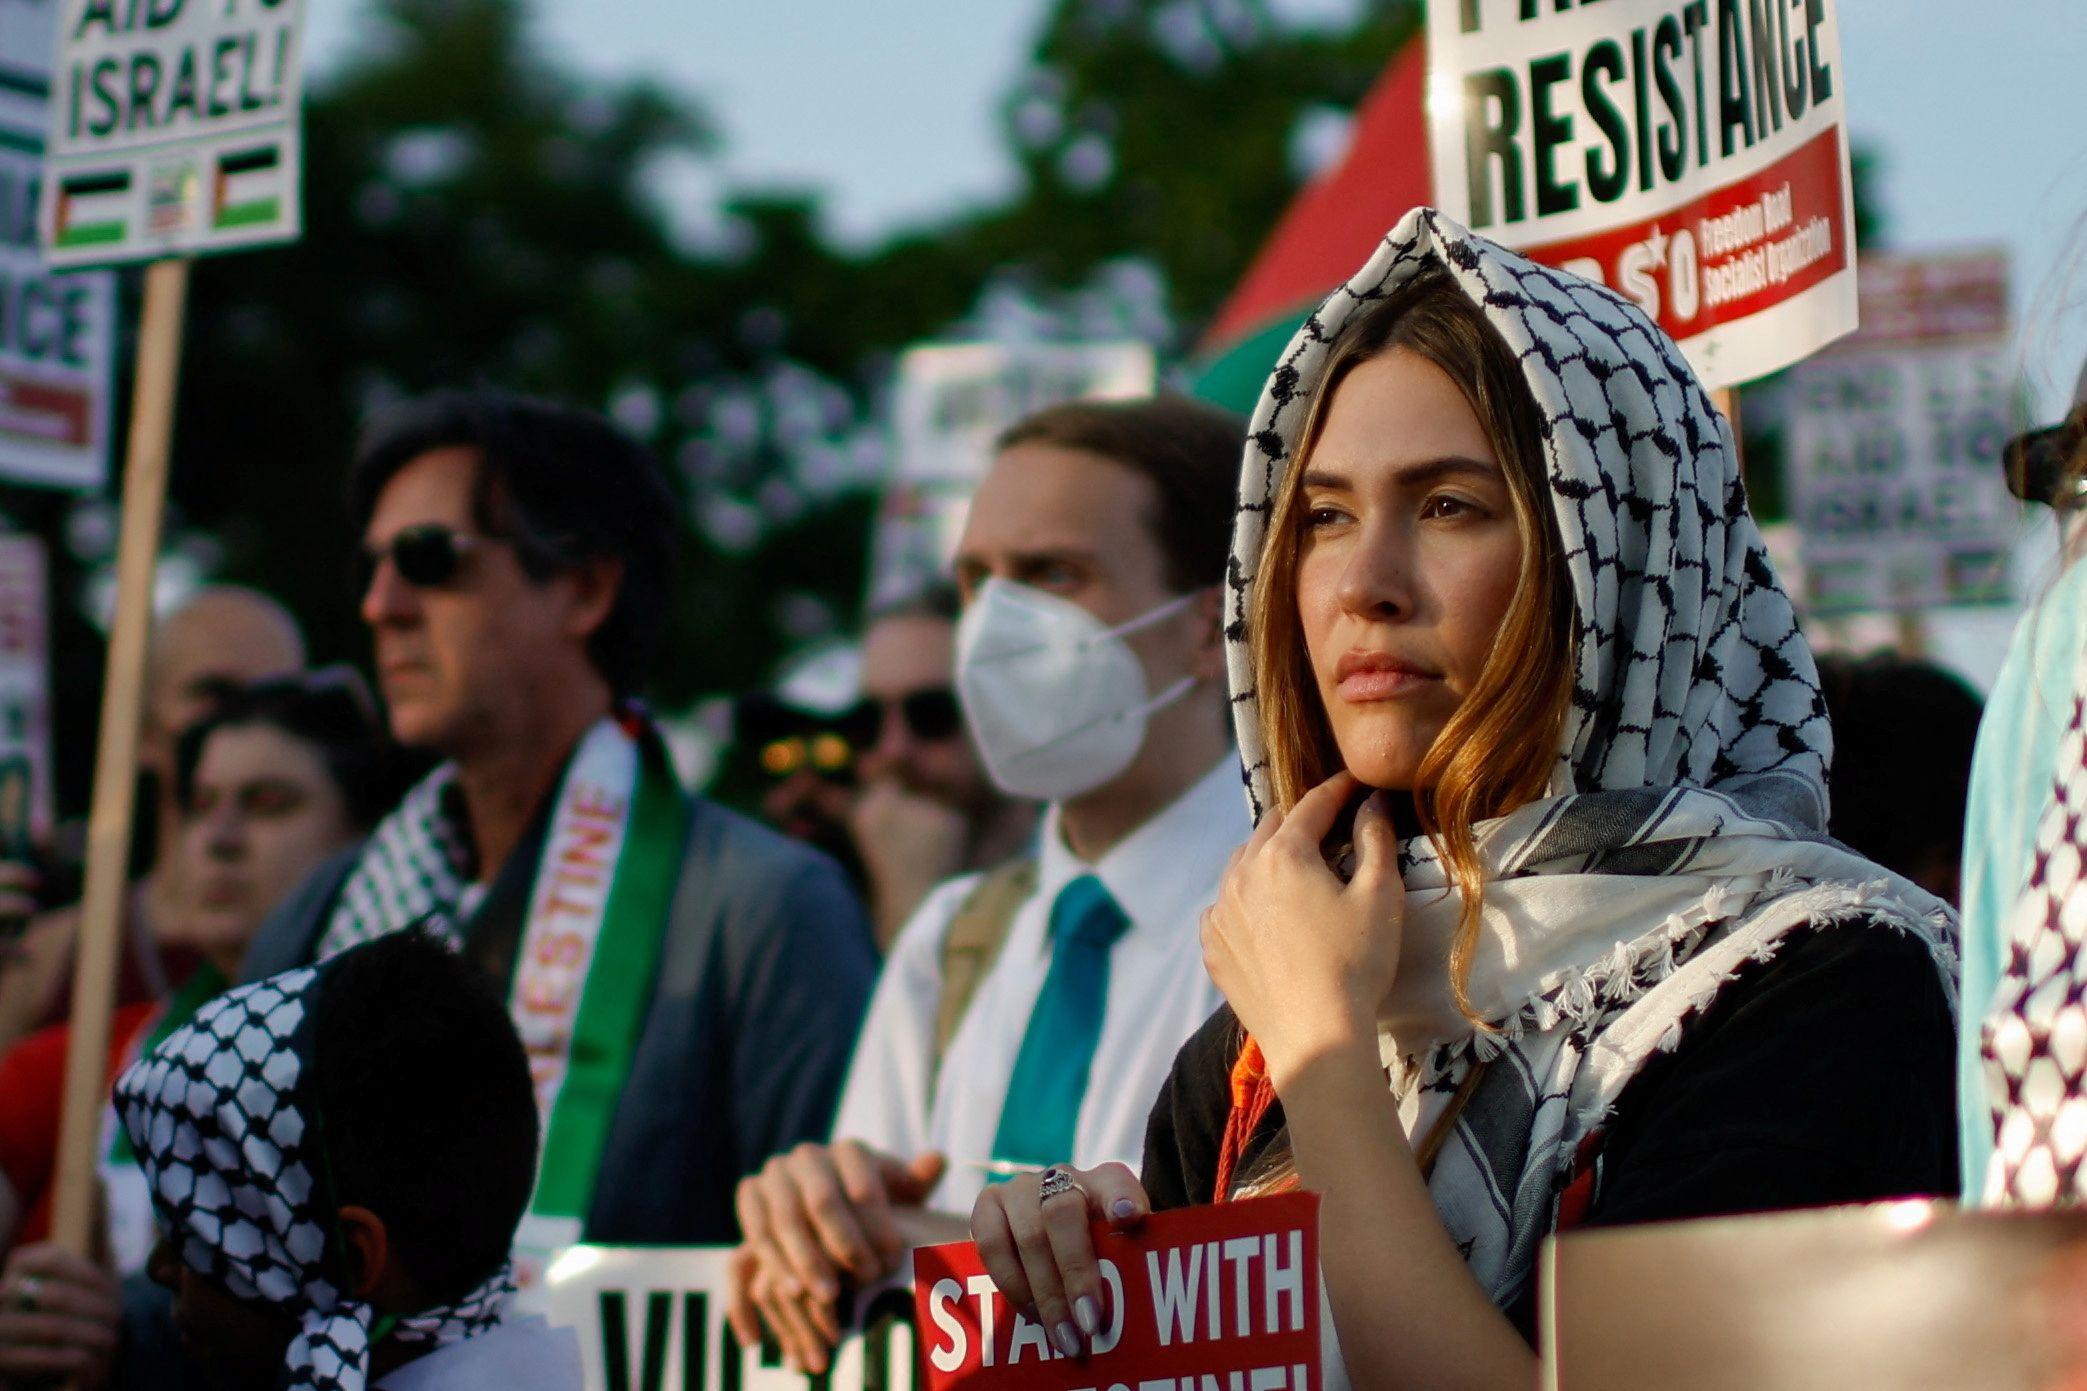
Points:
[(763, 979)]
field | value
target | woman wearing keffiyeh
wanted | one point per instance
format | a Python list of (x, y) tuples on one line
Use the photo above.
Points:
[(1539, 925), (339, 1156)]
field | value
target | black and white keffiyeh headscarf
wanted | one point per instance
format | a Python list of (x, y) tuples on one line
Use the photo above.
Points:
[(413, 869), (222, 1120), (1684, 837)]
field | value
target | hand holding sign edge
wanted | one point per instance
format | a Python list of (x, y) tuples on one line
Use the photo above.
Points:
[(810, 1217), (1041, 1254)]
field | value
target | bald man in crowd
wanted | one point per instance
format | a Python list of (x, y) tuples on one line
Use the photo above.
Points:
[(222, 637)]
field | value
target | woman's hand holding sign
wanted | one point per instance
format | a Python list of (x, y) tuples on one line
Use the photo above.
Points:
[(1039, 1250)]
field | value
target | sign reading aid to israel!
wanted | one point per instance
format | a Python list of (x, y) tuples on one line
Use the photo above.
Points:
[(1689, 154), (174, 129)]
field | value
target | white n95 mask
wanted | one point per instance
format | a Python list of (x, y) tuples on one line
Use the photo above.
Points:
[(1056, 700)]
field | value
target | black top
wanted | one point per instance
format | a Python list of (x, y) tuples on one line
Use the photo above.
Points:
[(1827, 1075)]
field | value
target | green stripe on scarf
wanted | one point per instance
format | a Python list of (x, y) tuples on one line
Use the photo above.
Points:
[(618, 989)]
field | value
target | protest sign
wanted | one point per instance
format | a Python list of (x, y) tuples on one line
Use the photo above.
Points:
[(1690, 154), (1222, 1298), (57, 331), (949, 402), (174, 128), (25, 692), (653, 1319), (1894, 442)]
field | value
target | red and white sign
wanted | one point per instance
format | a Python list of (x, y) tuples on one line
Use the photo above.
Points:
[(25, 685), (1211, 1297), (1690, 154)]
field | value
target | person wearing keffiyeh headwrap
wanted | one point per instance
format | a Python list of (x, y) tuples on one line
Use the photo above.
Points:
[(339, 1156), (1540, 925)]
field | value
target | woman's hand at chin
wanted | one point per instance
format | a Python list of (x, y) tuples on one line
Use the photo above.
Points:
[(1305, 959)]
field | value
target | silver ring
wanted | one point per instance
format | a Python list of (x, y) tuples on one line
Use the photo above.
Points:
[(1056, 1182), (28, 1293)]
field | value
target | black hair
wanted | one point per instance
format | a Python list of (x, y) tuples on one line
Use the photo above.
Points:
[(422, 1090), (1903, 732), (1190, 452), (563, 487), (330, 710)]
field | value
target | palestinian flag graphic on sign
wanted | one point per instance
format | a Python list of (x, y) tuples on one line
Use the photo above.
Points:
[(249, 187), (93, 208)]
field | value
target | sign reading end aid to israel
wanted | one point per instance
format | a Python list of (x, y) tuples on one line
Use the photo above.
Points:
[(1690, 154), (174, 129)]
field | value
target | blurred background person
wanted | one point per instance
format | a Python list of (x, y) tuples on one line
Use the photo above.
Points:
[(518, 560), (219, 639), (1029, 1012), (1903, 731), (278, 778), (2016, 763), (804, 735), (924, 808), (872, 762)]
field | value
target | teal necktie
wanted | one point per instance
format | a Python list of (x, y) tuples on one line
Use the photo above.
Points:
[(1042, 1108)]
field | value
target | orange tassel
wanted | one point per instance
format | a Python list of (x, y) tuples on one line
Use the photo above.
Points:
[(1252, 1095)]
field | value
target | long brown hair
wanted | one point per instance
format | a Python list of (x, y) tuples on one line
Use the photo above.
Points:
[(1498, 750)]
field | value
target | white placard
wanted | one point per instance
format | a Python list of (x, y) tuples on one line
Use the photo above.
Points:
[(1691, 154), (1894, 444), (950, 402), (174, 128), (653, 1319)]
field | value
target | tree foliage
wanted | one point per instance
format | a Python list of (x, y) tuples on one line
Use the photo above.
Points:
[(477, 211)]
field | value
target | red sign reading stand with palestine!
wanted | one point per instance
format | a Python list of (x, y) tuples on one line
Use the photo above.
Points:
[(1219, 1298)]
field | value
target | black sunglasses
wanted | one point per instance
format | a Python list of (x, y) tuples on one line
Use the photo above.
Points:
[(427, 556), (931, 713)]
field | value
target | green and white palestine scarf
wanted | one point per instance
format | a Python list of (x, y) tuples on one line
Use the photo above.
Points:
[(584, 972)]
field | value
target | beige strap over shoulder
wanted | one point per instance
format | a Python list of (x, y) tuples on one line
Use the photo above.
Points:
[(977, 931)]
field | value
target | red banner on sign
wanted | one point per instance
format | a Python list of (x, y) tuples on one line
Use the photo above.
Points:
[(33, 410), (1732, 253), (1219, 1298)]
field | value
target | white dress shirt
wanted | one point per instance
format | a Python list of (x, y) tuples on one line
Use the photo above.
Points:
[(1162, 875), (522, 1354)]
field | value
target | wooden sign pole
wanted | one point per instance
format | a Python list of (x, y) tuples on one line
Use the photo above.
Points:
[(1726, 399), (116, 759)]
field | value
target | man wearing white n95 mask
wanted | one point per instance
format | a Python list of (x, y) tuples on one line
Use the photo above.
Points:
[(1028, 1015)]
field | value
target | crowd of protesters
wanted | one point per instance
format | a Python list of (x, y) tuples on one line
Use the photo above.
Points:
[(1566, 888)]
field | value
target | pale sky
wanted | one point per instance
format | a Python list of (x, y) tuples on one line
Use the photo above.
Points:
[(889, 108)]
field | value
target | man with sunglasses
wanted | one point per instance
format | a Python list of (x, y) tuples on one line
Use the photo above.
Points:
[(1028, 1015), (687, 983)]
